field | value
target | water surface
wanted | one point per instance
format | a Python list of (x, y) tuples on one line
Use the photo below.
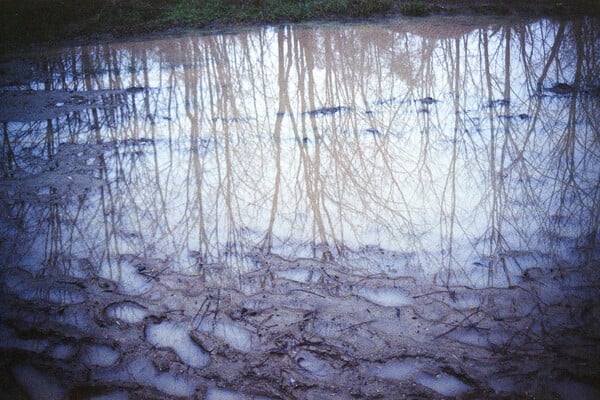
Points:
[(443, 171)]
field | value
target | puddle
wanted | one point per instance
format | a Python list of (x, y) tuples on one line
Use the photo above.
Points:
[(403, 208)]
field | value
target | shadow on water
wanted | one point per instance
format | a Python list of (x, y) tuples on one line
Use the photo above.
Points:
[(368, 211)]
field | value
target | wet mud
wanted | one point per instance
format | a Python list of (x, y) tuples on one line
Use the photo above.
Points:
[(300, 329), (276, 214)]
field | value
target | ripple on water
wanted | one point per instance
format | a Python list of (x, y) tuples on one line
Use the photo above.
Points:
[(167, 334)]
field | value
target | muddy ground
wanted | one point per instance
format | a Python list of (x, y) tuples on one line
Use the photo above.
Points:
[(31, 25), (307, 328), (283, 328), (297, 329)]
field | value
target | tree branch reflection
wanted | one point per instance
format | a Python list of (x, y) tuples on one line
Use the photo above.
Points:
[(328, 143)]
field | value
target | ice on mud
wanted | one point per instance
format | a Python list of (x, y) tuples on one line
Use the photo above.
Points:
[(387, 297), (167, 334), (442, 383)]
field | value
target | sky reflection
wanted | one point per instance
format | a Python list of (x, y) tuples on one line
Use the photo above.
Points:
[(453, 153)]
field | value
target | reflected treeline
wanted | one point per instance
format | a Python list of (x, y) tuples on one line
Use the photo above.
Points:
[(472, 150)]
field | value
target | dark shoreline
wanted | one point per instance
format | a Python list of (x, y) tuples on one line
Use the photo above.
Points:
[(29, 24)]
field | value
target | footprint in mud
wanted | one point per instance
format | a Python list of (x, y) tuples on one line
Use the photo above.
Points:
[(111, 396), (127, 311), (311, 364), (167, 334), (237, 337), (130, 281), (222, 394), (386, 297), (100, 356), (397, 370), (411, 369), (142, 372), (10, 339), (444, 384)]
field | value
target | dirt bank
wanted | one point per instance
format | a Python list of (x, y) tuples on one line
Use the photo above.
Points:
[(29, 23)]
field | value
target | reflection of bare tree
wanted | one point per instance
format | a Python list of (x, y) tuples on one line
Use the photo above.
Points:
[(426, 145)]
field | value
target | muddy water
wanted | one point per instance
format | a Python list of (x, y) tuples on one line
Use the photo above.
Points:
[(385, 210)]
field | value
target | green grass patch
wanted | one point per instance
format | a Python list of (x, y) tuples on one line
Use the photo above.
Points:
[(491, 9), (203, 12), (415, 9), (29, 21)]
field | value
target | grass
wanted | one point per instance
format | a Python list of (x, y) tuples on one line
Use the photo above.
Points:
[(417, 9), (31, 21), (202, 12)]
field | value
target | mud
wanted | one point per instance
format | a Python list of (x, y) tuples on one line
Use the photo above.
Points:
[(176, 222)]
